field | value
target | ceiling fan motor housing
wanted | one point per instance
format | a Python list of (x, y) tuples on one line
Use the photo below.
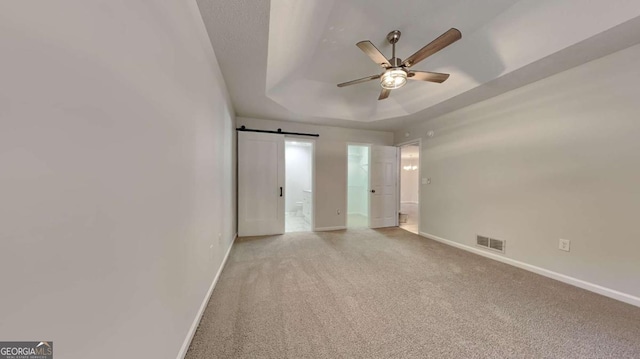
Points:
[(395, 62)]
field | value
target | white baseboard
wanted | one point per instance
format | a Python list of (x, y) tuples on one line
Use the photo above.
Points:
[(192, 331), (408, 202), (325, 229), (607, 292)]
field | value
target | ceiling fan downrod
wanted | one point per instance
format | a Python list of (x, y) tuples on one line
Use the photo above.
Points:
[(393, 37)]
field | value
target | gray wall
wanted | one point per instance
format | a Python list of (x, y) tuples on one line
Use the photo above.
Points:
[(559, 158), (116, 175), (331, 163)]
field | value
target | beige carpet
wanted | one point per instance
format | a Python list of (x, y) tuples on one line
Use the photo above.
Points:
[(392, 294)]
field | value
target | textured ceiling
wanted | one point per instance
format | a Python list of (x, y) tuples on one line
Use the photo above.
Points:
[(287, 68)]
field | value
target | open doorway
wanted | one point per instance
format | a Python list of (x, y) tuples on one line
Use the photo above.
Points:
[(410, 187), (358, 186), (298, 185)]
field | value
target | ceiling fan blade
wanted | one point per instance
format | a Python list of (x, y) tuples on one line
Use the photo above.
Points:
[(368, 48), (384, 94), (427, 76), (364, 79), (444, 40)]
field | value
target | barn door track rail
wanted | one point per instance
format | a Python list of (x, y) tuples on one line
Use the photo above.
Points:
[(279, 131)]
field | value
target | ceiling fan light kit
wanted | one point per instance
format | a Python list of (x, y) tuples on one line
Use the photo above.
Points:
[(393, 78), (396, 72)]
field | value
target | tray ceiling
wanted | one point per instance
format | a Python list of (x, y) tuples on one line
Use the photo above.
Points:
[(283, 59)]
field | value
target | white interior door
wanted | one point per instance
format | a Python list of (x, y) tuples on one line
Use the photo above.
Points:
[(260, 184), (383, 179)]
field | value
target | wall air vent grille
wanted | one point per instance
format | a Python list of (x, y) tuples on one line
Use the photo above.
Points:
[(496, 244), (482, 241), (491, 243)]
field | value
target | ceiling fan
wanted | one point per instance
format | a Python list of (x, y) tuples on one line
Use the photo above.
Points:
[(396, 72)]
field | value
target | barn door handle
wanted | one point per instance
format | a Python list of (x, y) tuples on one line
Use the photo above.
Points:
[(280, 191), (373, 191)]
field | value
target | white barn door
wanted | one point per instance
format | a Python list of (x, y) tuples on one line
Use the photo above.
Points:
[(383, 187), (260, 184)]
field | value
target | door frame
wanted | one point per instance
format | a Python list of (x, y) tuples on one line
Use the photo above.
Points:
[(346, 183), (313, 174), (417, 141)]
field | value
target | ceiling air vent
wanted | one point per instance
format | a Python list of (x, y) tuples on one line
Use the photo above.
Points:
[(491, 243)]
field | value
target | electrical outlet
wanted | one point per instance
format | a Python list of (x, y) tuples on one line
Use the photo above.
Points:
[(337, 211), (564, 245)]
